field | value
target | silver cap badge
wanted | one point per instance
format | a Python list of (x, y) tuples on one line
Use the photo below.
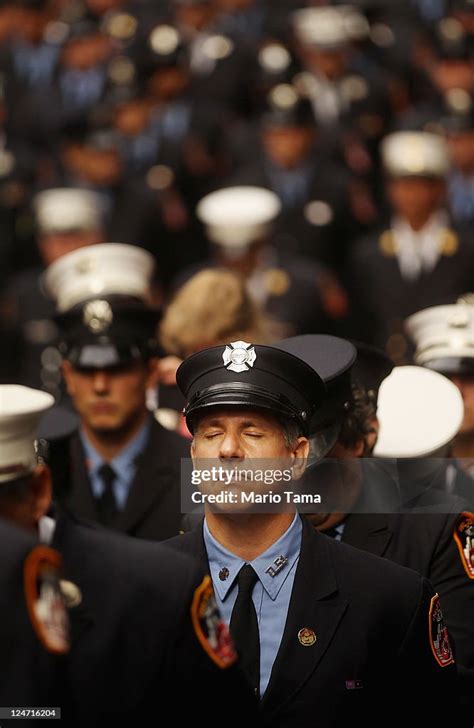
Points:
[(239, 356), (97, 316)]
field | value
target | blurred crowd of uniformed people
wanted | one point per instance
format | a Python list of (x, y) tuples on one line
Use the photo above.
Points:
[(230, 183), (143, 109)]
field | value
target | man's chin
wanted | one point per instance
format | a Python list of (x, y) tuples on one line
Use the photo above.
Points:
[(104, 424)]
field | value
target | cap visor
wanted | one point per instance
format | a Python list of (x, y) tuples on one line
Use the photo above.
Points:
[(93, 356), (243, 400)]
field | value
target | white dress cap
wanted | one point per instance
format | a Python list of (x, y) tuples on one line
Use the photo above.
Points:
[(20, 411), (443, 333), (420, 412), (99, 270), (329, 27), (68, 209), (235, 217), (415, 154)]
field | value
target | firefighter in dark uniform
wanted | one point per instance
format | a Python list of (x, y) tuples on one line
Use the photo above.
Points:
[(314, 619), (66, 219), (417, 423), (143, 622), (419, 259), (240, 223), (324, 39), (220, 65), (428, 409), (31, 656), (121, 467), (348, 92), (444, 336), (34, 628), (290, 158)]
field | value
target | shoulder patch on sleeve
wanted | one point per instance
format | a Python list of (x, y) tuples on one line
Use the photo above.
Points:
[(439, 637), (463, 535), (44, 599), (211, 630)]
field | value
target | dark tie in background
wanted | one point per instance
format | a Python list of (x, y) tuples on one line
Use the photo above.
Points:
[(107, 505), (244, 627)]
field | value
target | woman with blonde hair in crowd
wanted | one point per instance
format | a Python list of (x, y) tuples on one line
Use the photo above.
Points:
[(211, 308)]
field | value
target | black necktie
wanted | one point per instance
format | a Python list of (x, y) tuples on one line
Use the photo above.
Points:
[(106, 504), (244, 627)]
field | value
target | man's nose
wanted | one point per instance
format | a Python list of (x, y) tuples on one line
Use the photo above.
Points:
[(101, 381), (231, 447)]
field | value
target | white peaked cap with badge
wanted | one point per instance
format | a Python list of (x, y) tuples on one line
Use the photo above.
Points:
[(415, 154), (99, 270), (235, 217), (21, 409), (444, 335), (419, 411), (329, 27), (66, 209)]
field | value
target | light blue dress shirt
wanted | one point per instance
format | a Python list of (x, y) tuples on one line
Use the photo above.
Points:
[(124, 464), (271, 594)]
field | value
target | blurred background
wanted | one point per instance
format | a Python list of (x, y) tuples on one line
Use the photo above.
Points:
[(119, 119)]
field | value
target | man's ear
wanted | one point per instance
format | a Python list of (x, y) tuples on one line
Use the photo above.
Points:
[(41, 489), (300, 456), (358, 449)]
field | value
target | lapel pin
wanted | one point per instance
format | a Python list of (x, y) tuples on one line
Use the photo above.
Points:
[(307, 637), (224, 573), (279, 563)]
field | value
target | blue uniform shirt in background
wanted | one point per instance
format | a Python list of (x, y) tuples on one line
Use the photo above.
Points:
[(124, 464)]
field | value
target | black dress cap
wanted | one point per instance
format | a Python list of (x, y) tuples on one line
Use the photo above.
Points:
[(107, 332), (332, 358), (247, 376)]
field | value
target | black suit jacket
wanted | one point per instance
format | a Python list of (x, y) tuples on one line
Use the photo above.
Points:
[(424, 541), (29, 673), (371, 662), (153, 507), (455, 481), (134, 652)]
